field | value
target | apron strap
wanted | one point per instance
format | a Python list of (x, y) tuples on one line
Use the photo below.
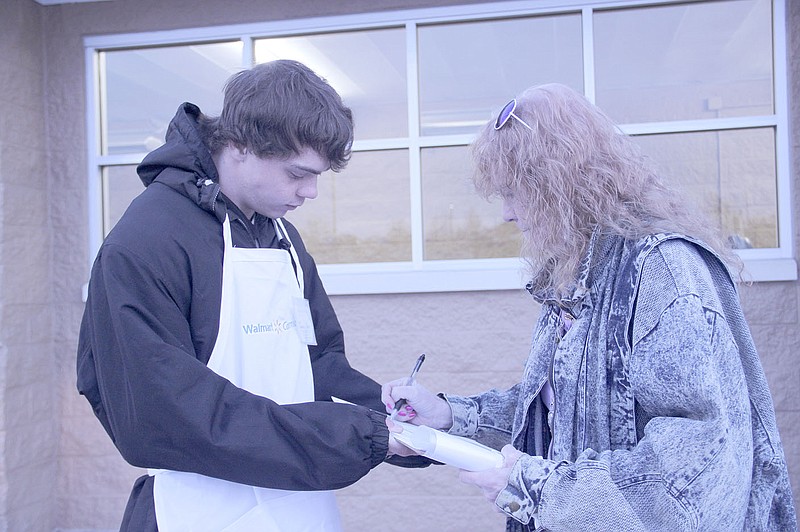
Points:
[(226, 232), (280, 230)]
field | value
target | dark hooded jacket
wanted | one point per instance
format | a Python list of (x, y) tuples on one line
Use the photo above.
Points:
[(149, 327)]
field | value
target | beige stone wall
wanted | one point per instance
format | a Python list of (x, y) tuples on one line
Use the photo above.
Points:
[(29, 422), (774, 309), (473, 341), (47, 432)]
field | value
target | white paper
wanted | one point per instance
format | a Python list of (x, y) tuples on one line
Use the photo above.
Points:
[(341, 401), (456, 451)]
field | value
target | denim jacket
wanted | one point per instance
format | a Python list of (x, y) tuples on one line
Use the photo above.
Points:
[(662, 420)]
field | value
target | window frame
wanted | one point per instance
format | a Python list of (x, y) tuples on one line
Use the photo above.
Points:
[(418, 275)]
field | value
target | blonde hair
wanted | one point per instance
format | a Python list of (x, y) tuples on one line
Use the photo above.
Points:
[(571, 174)]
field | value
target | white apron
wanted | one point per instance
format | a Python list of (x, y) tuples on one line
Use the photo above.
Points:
[(264, 329)]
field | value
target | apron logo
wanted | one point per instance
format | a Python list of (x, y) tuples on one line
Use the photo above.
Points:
[(276, 327)]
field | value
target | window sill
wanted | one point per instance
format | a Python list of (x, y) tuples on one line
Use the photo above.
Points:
[(478, 275)]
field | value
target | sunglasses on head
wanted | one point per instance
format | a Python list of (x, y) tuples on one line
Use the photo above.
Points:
[(506, 113)]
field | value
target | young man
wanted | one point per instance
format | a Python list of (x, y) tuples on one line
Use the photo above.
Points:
[(209, 349)]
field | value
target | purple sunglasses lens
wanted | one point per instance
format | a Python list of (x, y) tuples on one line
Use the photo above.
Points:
[(505, 114)]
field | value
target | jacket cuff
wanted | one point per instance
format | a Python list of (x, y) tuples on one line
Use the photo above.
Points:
[(380, 438), (465, 415), (521, 496), (410, 461)]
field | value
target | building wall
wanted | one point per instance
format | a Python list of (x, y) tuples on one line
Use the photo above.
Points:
[(474, 340), (29, 424)]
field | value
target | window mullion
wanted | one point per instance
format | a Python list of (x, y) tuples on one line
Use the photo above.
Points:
[(93, 132), (587, 33), (782, 158), (414, 163), (707, 124), (248, 51)]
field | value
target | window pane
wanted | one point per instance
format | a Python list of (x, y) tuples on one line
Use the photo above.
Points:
[(469, 70), (460, 224), (367, 68), (144, 87), (690, 61), (361, 214), (729, 174), (120, 185)]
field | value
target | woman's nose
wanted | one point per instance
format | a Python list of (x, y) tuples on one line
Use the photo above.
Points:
[(508, 211)]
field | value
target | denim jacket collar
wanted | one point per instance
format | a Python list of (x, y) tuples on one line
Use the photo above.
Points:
[(597, 253)]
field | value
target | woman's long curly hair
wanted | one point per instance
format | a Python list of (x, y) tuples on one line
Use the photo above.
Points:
[(574, 173)]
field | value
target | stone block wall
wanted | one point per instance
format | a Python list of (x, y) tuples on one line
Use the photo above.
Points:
[(473, 341), (29, 423)]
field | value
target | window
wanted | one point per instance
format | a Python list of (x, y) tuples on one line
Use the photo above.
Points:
[(700, 85), (718, 95), (142, 89), (136, 93)]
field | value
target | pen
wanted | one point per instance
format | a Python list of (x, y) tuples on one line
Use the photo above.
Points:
[(402, 402)]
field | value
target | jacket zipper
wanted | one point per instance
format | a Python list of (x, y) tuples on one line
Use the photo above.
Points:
[(249, 232), (551, 413), (551, 408)]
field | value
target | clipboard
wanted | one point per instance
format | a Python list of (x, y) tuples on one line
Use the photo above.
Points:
[(456, 451)]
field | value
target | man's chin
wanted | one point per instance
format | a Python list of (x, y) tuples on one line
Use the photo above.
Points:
[(274, 215)]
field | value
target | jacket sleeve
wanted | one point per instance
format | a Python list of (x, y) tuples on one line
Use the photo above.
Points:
[(163, 408), (691, 467), (487, 418)]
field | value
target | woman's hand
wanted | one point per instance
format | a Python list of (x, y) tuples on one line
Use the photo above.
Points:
[(422, 408), (492, 481)]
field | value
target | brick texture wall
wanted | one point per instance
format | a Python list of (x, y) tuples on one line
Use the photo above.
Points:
[(29, 421)]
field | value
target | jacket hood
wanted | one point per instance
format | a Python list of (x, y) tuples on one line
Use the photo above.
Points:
[(184, 162)]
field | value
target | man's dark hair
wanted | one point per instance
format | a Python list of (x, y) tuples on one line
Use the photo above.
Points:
[(276, 109)]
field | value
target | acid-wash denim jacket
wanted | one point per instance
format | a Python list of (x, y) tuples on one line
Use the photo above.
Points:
[(663, 419)]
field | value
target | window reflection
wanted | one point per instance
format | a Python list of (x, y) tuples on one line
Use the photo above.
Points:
[(731, 175), (458, 223), (144, 87), (120, 185), (367, 68), (469, 70), (361, 214), (688, 61)]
